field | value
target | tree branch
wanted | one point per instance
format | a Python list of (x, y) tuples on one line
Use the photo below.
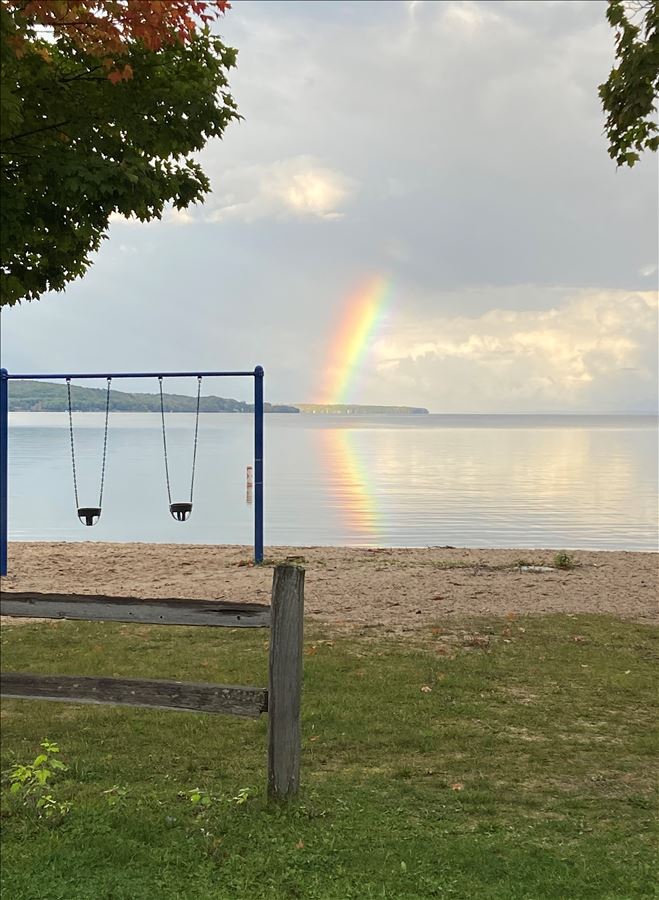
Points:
[(16, 137), (83, 75)]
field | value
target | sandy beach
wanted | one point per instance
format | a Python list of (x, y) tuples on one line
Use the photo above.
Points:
[(386, 589)]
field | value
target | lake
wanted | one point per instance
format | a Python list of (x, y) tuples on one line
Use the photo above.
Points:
[(469, 481)]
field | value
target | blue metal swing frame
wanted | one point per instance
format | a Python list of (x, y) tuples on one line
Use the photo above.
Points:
[(257, 374)]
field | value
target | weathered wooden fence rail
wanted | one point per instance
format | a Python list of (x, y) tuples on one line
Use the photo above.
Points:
[(128, 609), (281, 700)]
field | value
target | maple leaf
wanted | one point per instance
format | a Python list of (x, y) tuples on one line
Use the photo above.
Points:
[(106, 27)]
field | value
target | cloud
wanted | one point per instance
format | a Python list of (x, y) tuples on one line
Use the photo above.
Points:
[(170, 216), (586, 354), (300, 187), (468, 15)]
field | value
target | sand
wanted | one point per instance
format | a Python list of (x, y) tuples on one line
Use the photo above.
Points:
[(392, 590)]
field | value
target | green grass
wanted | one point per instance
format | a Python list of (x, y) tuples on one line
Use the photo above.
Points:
[(527, 771)]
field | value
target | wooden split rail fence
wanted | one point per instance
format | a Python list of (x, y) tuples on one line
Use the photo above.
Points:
[(280, 700)]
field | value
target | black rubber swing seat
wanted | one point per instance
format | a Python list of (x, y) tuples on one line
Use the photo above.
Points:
[(89, 515), (180, 511)]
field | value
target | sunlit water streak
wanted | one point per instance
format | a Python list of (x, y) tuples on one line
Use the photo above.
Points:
[(488, 481)]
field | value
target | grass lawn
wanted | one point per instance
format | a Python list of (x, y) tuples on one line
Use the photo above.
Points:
[(503, 759)]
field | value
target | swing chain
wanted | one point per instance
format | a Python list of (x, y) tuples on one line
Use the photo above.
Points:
[(164, 439), (105, 442), (73, 455), (196, 433)]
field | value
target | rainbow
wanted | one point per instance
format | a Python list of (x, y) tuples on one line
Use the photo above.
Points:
[(364, 311), (354, 492)]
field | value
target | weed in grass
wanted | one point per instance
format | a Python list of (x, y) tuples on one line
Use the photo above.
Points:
[(31, 784), (117, 795), (198, 797)]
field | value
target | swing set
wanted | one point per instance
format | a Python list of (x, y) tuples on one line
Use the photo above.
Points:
[(180, 510), (280, 700)]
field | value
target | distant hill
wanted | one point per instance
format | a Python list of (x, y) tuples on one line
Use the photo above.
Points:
[(43, 396), (354, 409)]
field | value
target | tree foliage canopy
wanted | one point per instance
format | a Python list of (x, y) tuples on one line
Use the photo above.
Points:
[(629, 94), (103, 104)]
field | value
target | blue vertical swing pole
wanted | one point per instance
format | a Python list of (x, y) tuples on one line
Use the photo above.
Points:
[(4, 432), (258, 464)]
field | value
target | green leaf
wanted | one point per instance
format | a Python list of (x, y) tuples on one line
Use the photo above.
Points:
[(629, 95)]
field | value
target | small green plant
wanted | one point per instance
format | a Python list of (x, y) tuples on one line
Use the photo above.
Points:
[(241, 797), (116, 795), (32, 783), (564, 560), (202, 799), (198, 797)]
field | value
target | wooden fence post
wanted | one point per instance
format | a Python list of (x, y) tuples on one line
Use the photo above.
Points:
[(285, 681)]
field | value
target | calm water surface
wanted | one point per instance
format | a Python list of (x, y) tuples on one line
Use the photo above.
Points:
[(471, 481)]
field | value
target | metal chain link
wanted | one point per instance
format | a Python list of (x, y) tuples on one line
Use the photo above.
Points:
[(105, 443), (73, 455), (196, 432), (164, 439)]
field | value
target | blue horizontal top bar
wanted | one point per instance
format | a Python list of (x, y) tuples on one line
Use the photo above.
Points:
[(257, 371)]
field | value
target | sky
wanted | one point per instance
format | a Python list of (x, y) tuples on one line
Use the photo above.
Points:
[(440, 166)]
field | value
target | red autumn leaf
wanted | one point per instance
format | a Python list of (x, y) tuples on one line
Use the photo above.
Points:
[(106, 28)]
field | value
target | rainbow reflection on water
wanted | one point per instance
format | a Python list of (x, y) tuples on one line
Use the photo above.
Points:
[(350, 484)]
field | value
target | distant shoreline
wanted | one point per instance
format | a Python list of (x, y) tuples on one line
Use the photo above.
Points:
[(39, 396), (359, 409)]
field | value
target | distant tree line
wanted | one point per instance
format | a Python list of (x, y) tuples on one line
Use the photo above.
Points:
[(37, 396), (358, 409)]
